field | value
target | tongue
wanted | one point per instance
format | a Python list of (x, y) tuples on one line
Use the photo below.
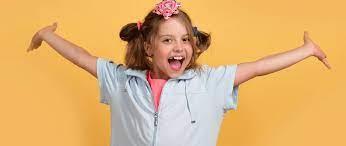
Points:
[(175, 65)]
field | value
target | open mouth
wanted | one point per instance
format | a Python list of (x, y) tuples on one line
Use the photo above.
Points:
[(176, 62)]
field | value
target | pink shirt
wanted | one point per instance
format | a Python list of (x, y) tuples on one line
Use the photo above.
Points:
[(156, 88)]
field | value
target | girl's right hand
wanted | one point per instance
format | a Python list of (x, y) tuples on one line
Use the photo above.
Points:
[(36, 40)]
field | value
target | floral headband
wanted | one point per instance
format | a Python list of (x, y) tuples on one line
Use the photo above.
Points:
[(167, 8)]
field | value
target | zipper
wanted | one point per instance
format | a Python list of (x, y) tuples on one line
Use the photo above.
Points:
[(156, 119), (155, 126), (156, 122), (156, 113)]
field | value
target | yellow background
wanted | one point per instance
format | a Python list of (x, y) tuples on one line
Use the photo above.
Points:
[(48, 101)]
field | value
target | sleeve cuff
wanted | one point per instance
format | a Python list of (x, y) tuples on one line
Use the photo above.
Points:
[(101, 64), (232, 102), (231, 99)]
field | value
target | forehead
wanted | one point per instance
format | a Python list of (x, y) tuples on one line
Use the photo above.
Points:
[(172, 26)]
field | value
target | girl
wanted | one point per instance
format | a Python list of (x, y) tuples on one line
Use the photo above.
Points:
[(161, 96)]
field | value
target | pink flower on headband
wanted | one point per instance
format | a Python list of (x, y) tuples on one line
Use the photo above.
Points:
[(167, 8)]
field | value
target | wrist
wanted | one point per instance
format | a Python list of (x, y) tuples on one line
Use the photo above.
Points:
[(308, 50)]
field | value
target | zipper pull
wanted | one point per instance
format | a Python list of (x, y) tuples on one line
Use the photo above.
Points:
[(155, 119)]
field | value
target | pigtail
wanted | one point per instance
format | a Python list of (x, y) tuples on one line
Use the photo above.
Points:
[(135, 57), (203, 39), (129, 32)]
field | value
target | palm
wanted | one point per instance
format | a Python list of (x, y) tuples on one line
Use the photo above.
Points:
[(36, 40), (316, 50)]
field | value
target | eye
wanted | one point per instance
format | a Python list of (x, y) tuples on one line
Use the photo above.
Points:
[(167, 40), (186, 39)]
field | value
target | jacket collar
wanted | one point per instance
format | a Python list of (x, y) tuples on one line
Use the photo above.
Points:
[(188, 74)]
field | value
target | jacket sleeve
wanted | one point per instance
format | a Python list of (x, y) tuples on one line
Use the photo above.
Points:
[(221, 81), (107, 76)]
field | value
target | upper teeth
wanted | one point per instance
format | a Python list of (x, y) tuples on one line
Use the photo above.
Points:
[(178, 57)]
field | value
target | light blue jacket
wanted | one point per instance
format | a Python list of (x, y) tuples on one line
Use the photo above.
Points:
[(190, 112)]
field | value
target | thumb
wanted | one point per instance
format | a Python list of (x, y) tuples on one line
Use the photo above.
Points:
[(55, 25), (306, 36), (326, 63)]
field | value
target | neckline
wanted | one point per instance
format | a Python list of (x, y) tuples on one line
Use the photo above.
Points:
[(149, 78)]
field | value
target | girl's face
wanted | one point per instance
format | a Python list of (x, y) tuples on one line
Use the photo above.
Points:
[(172, 50)]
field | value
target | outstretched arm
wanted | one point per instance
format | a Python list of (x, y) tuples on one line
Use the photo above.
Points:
[(68, 50), (276, 62)]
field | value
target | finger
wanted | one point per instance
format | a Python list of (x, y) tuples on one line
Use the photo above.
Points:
[(326, 63), (55, 25), (306, 33), (306, 36), (37, 45), (29, 48)]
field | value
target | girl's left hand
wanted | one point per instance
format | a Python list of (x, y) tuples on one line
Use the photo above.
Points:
[(315, 49)]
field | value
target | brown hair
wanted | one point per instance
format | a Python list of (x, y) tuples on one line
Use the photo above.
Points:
[(135, 39)]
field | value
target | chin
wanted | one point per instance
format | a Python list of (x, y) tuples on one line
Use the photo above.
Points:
[(175, 74)]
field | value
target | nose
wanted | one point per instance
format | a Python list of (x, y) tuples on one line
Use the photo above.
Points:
[(179, 47)]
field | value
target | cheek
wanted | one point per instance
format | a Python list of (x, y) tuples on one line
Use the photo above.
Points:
[(163, 53), (161, 56), (189, 52)]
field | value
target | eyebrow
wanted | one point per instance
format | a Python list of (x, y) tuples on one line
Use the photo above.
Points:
[(170, 35)]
